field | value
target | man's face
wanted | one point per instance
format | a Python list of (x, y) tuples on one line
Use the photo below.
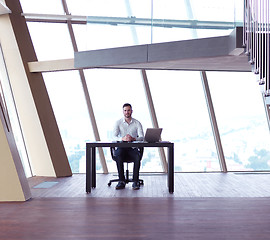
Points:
[(127, 111)]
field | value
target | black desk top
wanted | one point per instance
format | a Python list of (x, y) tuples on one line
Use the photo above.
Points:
[(129, 144)]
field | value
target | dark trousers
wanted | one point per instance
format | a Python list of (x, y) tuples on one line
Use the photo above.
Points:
[(127, 155)]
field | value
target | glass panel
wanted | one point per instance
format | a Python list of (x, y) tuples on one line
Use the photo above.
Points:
[(174, 14), (109, 90), (181, 110), (67, 98), (193, 19), (41, 6), (13, 117), (241, 119), (51, 41), (144, 22), (120, 36), (212, 33), (116, 22)]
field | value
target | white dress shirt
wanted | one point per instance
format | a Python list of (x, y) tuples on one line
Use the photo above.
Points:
[(122, 128)]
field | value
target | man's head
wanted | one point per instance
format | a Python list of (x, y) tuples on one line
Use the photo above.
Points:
[(127, 110)]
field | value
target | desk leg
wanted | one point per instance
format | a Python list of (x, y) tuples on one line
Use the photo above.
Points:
[(88, 169), (171, 169), (93, 167)]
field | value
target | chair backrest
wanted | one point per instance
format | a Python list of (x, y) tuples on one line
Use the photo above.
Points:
[(113, 151)]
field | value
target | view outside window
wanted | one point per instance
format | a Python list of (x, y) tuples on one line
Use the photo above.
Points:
[(51, 41), (182, 113), (241, 119), (69, 106)]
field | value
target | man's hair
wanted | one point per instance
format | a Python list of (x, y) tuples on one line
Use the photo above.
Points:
[(127, 105)]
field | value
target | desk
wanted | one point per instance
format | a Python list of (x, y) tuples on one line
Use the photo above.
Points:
[(91, 159)]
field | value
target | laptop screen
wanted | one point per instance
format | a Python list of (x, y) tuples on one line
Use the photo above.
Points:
[(152, 135)]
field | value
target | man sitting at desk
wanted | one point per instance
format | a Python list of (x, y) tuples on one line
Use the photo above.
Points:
[(128, 129)]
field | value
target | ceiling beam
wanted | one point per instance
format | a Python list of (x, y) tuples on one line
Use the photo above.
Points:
[(51, 66)]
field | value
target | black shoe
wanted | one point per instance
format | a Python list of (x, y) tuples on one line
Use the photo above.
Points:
[(120, 185), (136, 185)]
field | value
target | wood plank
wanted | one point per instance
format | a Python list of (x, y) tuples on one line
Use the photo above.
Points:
[(136, 218), (187, 185)]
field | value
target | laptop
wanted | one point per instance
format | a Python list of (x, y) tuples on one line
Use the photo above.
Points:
[(152, 135)]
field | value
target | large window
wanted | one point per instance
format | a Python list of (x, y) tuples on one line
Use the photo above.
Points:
[(67, 98), (241, 119), (182, 112)]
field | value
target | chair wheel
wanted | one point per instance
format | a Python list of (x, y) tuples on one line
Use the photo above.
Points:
[(109, 184)]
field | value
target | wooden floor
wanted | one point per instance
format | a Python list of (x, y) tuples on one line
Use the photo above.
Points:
[(187, 185), (204, 206)]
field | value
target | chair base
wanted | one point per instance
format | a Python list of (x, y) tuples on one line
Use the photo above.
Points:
[(126, 181)]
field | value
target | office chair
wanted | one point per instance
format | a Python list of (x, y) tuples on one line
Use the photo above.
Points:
[(127, 179)]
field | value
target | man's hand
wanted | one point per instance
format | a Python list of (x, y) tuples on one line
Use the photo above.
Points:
[(128, 138)]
